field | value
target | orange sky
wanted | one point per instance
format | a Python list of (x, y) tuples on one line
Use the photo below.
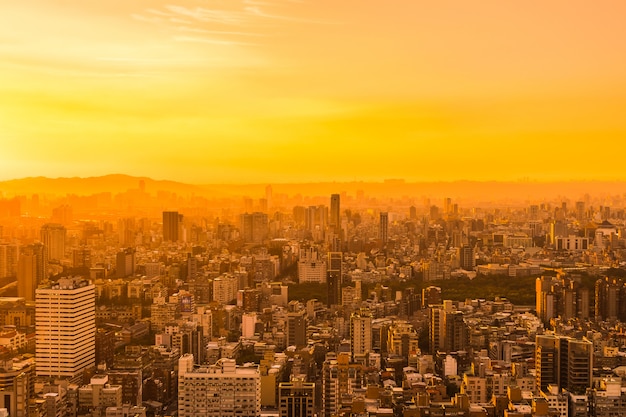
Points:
[(308, 90)]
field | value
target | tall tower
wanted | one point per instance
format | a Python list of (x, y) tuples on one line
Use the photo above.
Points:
[(26, 276), (171, 223), (466, 258), (335, 211), (254, 227), (32, 270), (333, 279), (360, 333), (65, 320), (53, 238), (382, 227), (8, 260), (125, 263), (296, 329)]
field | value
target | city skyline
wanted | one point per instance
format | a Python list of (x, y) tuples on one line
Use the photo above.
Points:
[(260, 91)]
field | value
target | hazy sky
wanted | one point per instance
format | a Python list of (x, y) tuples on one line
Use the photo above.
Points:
[(297, 90)]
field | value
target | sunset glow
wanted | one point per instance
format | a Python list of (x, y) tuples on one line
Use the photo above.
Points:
[(292, 90)]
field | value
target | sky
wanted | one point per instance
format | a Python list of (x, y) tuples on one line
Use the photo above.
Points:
[(253, 91)]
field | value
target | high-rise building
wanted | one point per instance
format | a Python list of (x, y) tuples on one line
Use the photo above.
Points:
[(125, 263), (171, 226), (402, 339), (81, 257), (457, 332), (437, 329), (8, 260), (296, 398), (466, 258), (333, 278), (32, 270), (360, 333), (564, 362), (65, 328), (383, 228), (608, 291), (16, 386), (335, 211), (296, 329), (254, 227), (26, 276), (340, 380), (312, 266), (269, 196), (53, 238), (223, 389), (316, 220)]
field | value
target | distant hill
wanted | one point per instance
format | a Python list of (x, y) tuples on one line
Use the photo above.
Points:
[(478, 192), (114, 183)]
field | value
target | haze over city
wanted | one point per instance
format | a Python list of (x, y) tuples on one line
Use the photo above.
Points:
[(312, 208)]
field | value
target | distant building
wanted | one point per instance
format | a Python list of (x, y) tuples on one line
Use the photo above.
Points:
[(360, 333), (53, 238), (8, 260), (311, 266), (171, 226), (383, 227), (467, 260), (125, 263), (335, 211), (254, 227), (333, 279)]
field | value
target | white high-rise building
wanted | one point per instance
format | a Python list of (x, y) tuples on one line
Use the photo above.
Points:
[(65, 319), (360, 333), (220, 390)]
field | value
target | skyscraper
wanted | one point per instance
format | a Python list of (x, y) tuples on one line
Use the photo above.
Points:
[(254, 227), (333, 279), (466, 258), (171, 224), (382, 227), (125, 263), (296, 329), (360, 334), (8, 260), (53, 238), (65, 322), (32, 270), (335, 211)]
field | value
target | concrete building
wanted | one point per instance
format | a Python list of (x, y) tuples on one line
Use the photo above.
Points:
[(65, 329), (53, 237), (333, 278), (296, 399), (172, 222), (220, 390), (360, 333)]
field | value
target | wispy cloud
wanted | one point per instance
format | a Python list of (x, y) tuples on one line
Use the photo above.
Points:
[(216, 25)]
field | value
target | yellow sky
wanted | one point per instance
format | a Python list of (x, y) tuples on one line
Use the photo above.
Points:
[(313, 90)]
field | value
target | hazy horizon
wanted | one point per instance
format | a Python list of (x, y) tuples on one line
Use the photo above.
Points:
[(301, 91)]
